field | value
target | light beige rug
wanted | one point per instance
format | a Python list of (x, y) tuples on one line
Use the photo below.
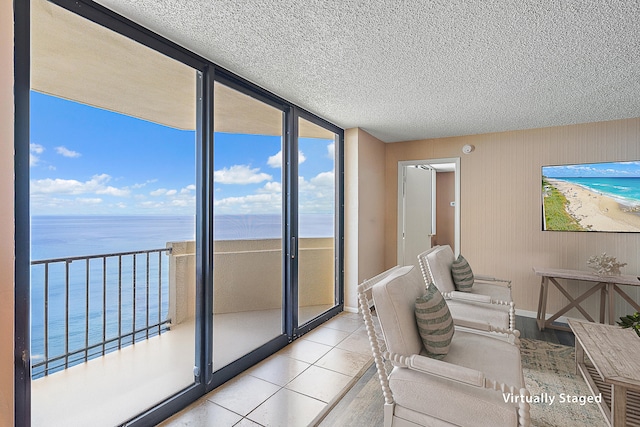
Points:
[(549, 372)]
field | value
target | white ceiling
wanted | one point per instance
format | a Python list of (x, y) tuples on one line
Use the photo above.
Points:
[(411, 69)]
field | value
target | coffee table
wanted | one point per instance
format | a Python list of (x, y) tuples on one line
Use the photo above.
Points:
[(611, 367)]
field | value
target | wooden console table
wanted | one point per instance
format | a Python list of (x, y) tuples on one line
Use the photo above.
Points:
[(607, 285), (611, 369)]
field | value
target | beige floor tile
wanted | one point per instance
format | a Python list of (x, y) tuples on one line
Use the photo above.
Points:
[(243, 394), (320, 383), (203, 413), (356, 342), (344, 362), (325, 335), (246, 422), (343, 323), (287, 408), (305, 350), (278, 369)]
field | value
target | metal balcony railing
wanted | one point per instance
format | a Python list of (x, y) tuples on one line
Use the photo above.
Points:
[(87, 306)]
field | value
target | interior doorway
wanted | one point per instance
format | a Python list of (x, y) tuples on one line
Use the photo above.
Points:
[(428, 206)]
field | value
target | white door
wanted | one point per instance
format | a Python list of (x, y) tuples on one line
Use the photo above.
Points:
[(417, 212)]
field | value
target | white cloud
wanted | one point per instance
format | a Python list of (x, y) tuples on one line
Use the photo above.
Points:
[(172, 192), (323, 179), (149, 181), (96, 185), (240, 174), (113, 191), (64, 151), (275, 161), (159, 192), (252, 203), (35, 149), (89, 200), (188, 189), (331, 150), (271, 187)]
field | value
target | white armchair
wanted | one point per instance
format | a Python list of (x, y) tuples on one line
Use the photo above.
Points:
[(488, 300), (467, 387)]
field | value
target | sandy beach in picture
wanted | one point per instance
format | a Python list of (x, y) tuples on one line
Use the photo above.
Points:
[(595, 211)]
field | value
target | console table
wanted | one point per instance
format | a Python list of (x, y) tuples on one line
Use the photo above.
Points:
[(611, 369), (607, 285)]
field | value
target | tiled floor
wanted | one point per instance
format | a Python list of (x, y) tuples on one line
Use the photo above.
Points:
[(294, 387)]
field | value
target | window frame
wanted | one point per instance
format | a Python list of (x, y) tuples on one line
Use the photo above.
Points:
[(207, 74)]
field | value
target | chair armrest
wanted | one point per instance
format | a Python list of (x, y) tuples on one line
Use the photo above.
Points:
[(439, 368), (513, 336), (467, 296), (492, 280)]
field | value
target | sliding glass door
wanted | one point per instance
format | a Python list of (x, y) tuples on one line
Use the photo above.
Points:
[(316, 220), (184, 223), (113, 223), (248, 225)]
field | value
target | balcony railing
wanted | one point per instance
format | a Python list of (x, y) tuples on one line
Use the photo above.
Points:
[(87, 306)]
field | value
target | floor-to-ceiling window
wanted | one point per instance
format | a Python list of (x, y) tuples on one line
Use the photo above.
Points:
[(113, 206), (185, 223)]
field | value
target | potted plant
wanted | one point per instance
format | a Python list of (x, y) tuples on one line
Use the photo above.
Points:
[(631, 321)]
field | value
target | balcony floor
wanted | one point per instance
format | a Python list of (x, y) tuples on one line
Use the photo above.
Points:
[(310, 374)]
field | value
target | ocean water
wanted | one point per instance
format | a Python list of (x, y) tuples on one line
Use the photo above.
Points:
[(71, 236), (625, 190)]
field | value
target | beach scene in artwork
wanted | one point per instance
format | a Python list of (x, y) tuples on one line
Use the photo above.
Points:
[(592, 197)]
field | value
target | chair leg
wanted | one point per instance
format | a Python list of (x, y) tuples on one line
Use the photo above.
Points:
[(524, 416), (388, 414)]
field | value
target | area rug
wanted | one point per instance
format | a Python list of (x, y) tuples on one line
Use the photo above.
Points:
[(549, 372)]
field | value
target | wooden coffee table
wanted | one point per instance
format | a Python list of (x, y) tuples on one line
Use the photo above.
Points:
[(612, 367)]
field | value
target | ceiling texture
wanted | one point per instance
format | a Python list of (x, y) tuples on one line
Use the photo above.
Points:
[(406, 70)]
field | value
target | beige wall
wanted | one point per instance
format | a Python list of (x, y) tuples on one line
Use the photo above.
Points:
[(364, 210), (501, 208), (6, 213)]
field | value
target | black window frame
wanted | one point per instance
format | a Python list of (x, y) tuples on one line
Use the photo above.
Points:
[(207, 74)]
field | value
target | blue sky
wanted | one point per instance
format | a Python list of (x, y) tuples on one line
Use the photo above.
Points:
[(88, 161), (594, 170)]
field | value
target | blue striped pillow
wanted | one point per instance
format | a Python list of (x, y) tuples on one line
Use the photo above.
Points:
[(434, 322), (462, 274)]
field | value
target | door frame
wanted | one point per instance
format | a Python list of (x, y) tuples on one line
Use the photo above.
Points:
[(402, 165)]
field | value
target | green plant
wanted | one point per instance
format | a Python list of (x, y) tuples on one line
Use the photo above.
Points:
[(631, 321)]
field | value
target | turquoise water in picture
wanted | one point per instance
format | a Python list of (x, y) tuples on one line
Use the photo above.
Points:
[(625, 190)]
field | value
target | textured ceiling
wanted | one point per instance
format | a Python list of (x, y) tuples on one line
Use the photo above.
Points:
[(404, 70)]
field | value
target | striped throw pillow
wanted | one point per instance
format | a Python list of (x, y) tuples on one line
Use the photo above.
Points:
[(462, 274), (434, 322)]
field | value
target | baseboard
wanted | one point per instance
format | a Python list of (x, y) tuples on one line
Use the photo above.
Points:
[(350, 309), (534, 314)]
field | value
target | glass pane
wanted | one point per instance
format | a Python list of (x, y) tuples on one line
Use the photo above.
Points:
[(247, 225), (316, 219), (113, 223)]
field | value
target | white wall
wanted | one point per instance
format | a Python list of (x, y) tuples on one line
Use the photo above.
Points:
[(6, 214)]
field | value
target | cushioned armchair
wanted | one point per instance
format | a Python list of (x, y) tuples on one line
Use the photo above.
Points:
[(489, 299), (478, 382)]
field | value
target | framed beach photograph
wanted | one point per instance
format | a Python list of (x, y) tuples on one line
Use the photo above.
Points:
[(591, 197)]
